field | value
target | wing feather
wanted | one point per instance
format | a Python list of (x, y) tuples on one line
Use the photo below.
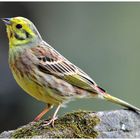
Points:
[(50, 61)]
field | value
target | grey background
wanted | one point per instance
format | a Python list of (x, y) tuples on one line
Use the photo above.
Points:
[(101, 38)]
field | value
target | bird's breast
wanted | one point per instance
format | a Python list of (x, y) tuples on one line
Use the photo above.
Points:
[(24, 72)]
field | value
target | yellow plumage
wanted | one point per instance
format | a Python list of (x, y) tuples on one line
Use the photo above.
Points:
[(44, 73)]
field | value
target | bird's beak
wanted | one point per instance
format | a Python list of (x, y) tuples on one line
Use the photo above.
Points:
[(7, 21)]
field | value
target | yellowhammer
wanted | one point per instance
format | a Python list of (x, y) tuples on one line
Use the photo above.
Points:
[(44, 73)]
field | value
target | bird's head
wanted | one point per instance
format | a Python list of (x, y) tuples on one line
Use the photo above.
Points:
[(20, 31)]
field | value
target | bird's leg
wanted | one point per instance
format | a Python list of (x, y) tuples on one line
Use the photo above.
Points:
[(51, 121), (43, 112)]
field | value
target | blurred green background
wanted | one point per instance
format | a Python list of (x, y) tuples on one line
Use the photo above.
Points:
[(101, 38)]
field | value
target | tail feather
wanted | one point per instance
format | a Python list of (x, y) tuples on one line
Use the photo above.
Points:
[(120, 102)]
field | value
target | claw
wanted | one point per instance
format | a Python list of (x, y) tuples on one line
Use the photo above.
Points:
[(33, 122), (51, 121)]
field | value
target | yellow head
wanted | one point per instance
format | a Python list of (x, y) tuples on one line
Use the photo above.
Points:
[(20, 31)]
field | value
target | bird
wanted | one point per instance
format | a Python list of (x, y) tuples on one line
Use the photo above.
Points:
[(45, 74)]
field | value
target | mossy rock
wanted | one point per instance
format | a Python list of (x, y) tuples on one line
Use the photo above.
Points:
[(72, 125)]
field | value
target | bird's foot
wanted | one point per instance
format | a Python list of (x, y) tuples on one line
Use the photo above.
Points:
[(51, 121), (33, 122)]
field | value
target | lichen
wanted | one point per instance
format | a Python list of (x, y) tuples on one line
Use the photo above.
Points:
[(72, 125)]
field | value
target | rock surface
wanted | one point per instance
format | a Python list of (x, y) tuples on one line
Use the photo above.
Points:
[(83, 124)]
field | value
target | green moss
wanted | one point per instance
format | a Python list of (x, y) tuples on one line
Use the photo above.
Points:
[(27, 131), (72, 125)]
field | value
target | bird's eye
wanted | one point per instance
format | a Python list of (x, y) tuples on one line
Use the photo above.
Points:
[(18, 26)]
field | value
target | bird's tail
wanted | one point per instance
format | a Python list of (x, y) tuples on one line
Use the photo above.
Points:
[(120, 102)]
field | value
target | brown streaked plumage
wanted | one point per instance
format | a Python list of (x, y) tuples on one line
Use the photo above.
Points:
[(44, 73)]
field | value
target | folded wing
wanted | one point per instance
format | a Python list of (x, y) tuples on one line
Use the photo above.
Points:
[(51, 62)]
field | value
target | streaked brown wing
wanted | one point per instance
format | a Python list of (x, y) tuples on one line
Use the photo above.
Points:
[(50, 61)]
